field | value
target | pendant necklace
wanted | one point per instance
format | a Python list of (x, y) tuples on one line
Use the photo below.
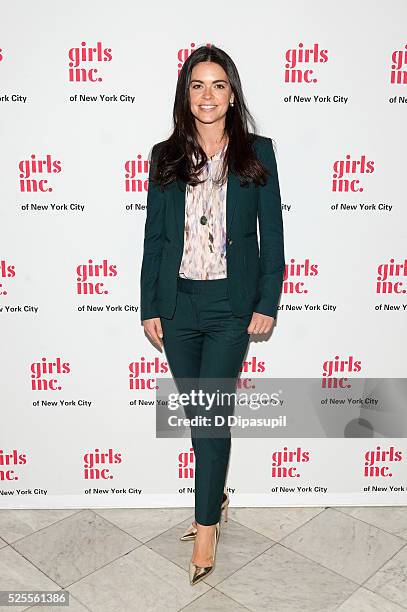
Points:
[(204, 219)]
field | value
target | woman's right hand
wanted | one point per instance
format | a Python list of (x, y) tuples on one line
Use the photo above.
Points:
[(154, 331)]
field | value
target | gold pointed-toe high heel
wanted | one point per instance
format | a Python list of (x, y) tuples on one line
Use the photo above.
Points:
[(190, 533), (198, 573)]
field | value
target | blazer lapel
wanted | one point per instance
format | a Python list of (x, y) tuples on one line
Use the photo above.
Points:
[(232, 194)]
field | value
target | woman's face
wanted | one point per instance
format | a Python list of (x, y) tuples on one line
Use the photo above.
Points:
[(210, 92)]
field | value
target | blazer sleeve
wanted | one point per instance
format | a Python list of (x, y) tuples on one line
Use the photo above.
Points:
[(153, 243), (272, 261)]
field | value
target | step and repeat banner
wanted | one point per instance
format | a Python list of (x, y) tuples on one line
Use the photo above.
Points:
[(86, 89)]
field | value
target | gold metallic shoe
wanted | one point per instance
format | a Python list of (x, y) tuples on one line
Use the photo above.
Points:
[(190, 533), (198, 573)]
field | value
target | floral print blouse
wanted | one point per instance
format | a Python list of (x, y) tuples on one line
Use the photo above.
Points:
[(204, 254)]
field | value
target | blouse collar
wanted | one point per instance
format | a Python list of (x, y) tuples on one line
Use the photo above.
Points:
[(217, 155)]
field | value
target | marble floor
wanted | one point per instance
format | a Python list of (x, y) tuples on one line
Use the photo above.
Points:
[(350, 559)]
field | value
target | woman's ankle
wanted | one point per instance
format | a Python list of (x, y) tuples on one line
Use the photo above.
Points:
[(203, 527)]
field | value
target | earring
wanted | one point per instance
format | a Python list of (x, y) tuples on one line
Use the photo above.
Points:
[(231, 103)]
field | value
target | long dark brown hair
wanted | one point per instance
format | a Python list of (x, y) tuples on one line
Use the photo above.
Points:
[(174, 155)]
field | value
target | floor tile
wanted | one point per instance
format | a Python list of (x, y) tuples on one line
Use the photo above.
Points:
[(16, 524), (274, 523), (74, 606), (214, 601), (281, 580), (141, 581), (389, 518), (391, 580), (16, 573), (344, 544), (363, 600), (273, 559), (76, 546), (145, 523)]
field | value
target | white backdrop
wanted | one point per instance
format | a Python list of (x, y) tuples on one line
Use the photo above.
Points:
[(326, 83)]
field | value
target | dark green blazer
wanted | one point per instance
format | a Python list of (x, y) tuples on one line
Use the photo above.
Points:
[(255, 276)]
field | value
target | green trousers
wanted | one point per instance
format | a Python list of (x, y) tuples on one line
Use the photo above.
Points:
[(205, 344)]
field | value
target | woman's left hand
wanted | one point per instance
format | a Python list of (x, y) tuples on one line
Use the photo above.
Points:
[(260, 324)]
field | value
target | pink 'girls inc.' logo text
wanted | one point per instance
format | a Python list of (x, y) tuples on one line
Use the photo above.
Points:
[(45, 375), (32, 171), (344, 169), (398, 72), (6, 271), (295, 275), (251, 366), (136, 175), (143, 373), (78, 73), (8, 461), (183, 54), (95, 464), (186, 464), (298, 63), (87, 273), (378, 462), (284, 463), (1, 55), (337, 365), (387, 273)]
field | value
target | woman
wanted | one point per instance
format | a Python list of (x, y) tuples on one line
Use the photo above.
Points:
[(205, 288)]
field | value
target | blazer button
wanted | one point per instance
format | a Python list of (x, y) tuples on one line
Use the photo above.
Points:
[(230, 241)]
